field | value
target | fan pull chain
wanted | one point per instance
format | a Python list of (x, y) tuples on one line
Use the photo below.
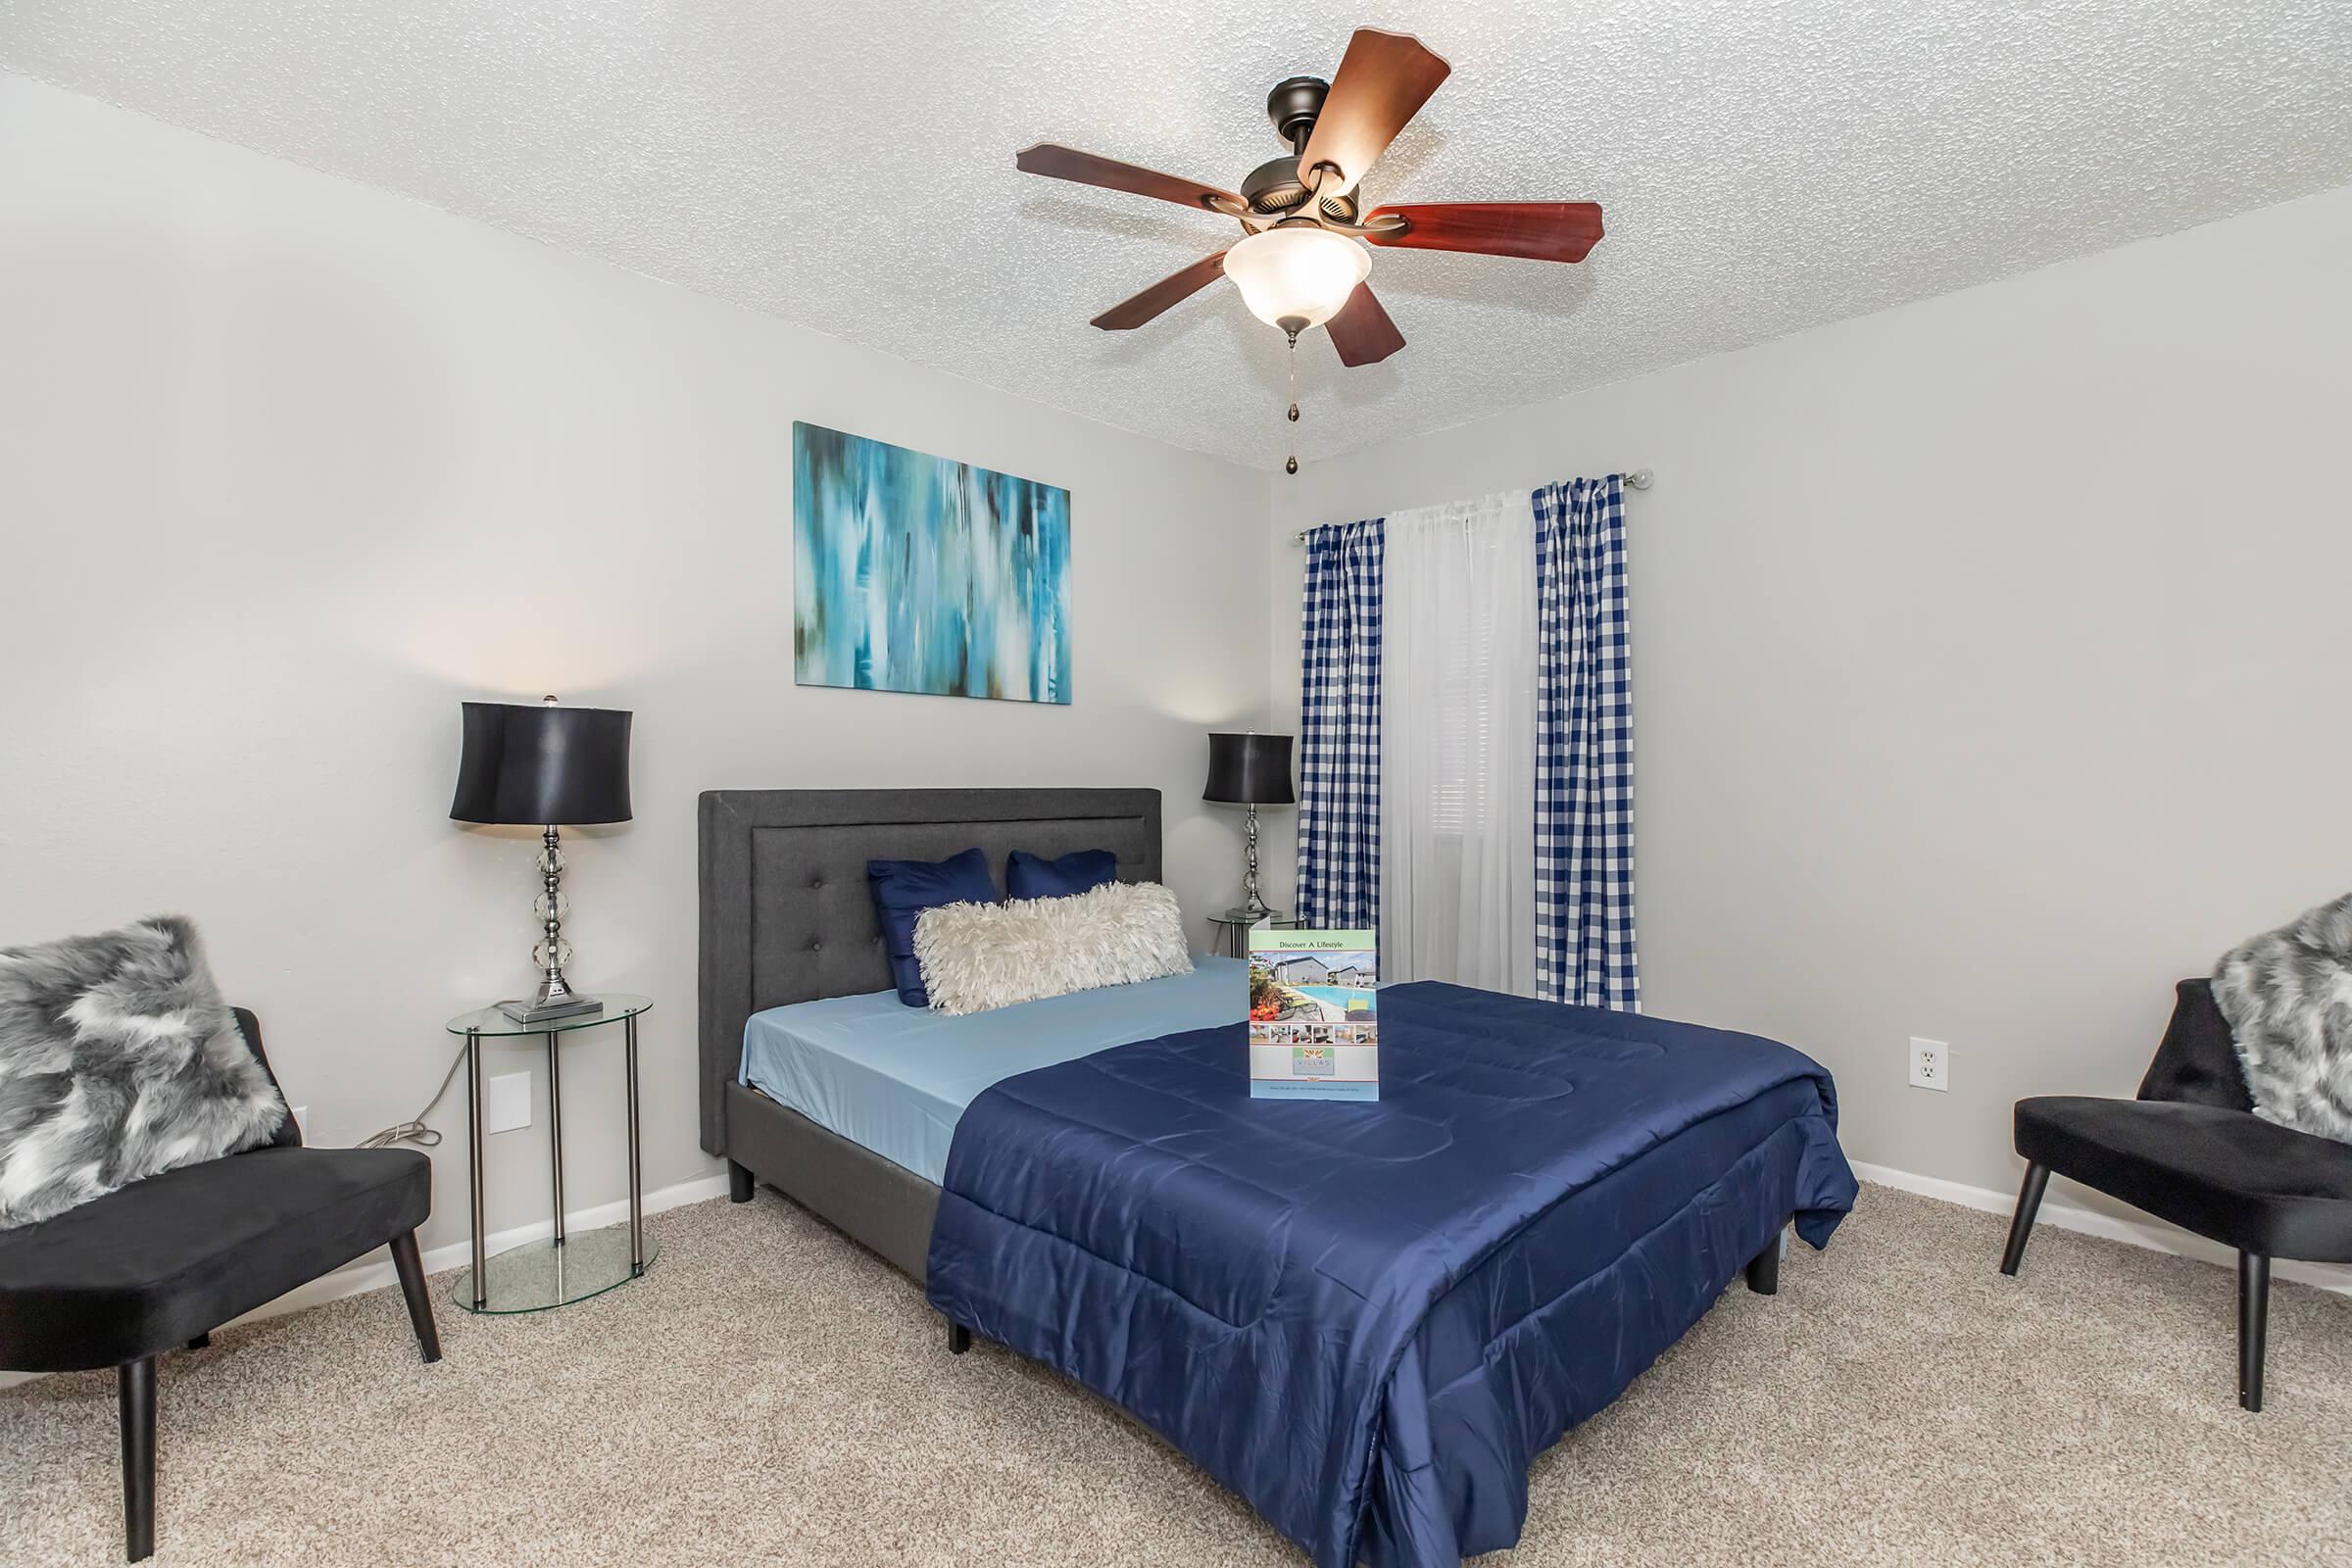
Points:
[(1289, 465)]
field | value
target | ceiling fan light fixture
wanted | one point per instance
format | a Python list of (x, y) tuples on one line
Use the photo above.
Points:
[(1295, 276)]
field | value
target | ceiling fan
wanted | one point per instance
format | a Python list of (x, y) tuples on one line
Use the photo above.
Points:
[(1301, 260)]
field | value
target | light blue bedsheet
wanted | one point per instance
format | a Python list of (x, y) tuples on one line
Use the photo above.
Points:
[(897, 1078)]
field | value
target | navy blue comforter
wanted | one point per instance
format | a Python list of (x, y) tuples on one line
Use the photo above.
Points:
[(1369, 1319)]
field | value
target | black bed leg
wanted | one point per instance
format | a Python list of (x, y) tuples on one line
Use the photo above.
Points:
[(960, 1338), (2253, 1322), (1764, 1269), (136, 1393), (739, 1183), (2028, 1203), (201, 1341)]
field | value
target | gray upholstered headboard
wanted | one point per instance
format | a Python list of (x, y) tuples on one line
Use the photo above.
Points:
[(786, 914)]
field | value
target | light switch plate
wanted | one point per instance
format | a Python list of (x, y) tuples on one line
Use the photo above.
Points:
[(507, 1105)]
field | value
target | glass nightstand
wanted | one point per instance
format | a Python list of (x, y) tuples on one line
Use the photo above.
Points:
[(538, 1275), (1235, 925)]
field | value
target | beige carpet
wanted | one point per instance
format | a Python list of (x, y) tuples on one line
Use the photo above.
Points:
[(771, 1394)]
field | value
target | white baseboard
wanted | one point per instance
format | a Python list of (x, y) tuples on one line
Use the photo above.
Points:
[(2152, 1234), (356, 1279)]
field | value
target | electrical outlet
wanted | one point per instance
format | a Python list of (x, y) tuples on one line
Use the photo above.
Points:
[(302, 1120), (506, 1107), (1930, 1064)]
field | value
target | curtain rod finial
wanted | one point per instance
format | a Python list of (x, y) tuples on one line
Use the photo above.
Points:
[(1639, 479)]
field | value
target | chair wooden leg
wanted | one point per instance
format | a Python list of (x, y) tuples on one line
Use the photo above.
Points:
[(2028, 1203), (739, 1183), (2253, 1325), (411, 1269), (134, 1390)]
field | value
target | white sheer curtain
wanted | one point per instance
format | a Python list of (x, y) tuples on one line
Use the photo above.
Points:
[(1457, 857)]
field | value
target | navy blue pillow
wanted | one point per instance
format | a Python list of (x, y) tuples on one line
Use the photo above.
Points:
[(1033, 876), (905, 889)]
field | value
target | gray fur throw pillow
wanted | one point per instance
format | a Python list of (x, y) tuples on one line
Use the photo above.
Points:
[(2288, 999), (118, 1060)]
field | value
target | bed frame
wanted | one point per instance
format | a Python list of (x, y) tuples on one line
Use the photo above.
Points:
[(786, 916)]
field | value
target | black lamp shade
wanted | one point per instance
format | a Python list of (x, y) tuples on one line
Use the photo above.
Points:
[(538, 765), (1249, 769)]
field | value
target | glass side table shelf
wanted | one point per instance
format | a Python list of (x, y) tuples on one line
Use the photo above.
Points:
[(560, 1271), (1235, 925)]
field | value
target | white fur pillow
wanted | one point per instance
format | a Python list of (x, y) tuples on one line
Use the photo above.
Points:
[(976, 956)]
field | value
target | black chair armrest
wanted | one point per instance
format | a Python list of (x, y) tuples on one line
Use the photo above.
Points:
[(289, 1136), (2197, 1060)]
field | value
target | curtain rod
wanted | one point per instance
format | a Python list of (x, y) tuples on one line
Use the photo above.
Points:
[(1635, 479)]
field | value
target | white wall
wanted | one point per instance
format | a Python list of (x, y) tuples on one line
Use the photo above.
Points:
[(1985, 660), (1988, 663), (288, 466)]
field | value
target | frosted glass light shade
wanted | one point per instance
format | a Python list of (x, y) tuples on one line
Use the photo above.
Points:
[(1296, 278)]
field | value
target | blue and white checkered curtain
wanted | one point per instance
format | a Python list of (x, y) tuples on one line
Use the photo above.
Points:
[(1584, 750), (1339, 771)]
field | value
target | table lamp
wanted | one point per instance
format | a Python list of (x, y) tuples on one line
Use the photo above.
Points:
[(1251, 771), (545, 766)]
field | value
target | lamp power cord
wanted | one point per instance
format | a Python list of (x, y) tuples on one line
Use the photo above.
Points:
[(414, 1130)]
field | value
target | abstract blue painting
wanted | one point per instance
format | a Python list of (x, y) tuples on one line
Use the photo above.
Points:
[(912, 573)]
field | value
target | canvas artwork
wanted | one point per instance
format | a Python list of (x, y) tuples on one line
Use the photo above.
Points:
[(913, 573)]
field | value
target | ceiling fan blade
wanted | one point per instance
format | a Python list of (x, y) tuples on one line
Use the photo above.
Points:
[(1134, 312), (1363, 331), (1382, 81), (1539, 231), (1068, 163)]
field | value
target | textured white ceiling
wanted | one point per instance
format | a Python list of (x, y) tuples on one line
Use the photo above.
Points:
[(1764, 168)]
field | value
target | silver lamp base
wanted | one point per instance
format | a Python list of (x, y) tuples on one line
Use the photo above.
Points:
[(541, 1011), (555, 998), (1251, 900)]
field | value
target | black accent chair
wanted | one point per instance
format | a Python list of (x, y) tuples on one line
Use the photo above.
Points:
[(163, 1263), (2191, 1150)]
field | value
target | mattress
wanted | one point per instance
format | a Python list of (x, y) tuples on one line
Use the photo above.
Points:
[(896, 1078)]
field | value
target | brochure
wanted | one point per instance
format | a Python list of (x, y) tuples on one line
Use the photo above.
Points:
[(1314, 1025)]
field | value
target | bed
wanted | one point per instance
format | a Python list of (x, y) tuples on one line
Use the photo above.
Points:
[(1367, 1321), (786, 918)]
